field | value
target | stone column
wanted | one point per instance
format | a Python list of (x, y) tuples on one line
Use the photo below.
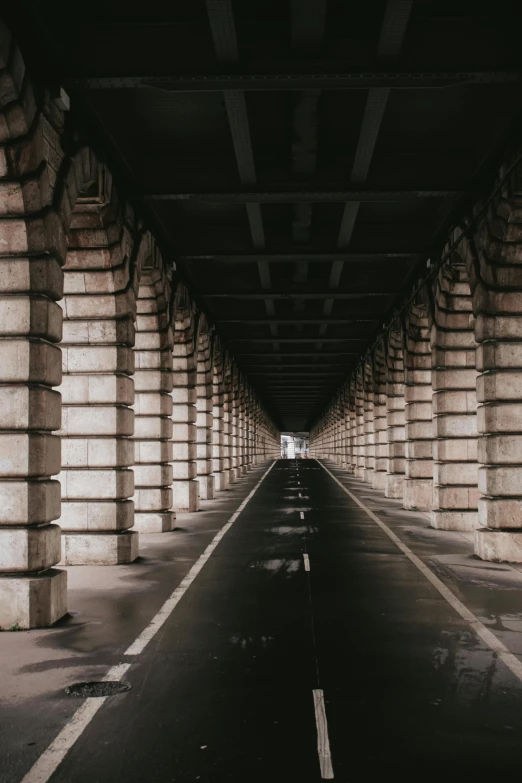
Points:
[(495, 260), (359, 420), (395, 419), (204, 426), (153, 408), (218, 447), (418, 481), (32, 593), (228, 434), (455, 469), (235, 432), (97, 389), (185, 486), (346, 427), (369, 435), (351, 423), (379, 420)]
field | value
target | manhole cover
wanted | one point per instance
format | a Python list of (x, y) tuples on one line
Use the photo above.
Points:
[(89, 690)]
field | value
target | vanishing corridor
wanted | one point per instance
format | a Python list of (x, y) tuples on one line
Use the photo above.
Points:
[(225, 689)]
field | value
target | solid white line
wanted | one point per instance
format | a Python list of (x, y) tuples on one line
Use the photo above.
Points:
[(301, 514), (467, 615), (306, 561), (166, 610), (50, 759), (323, 743)]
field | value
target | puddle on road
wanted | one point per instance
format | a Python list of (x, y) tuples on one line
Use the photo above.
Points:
[(278, 565)]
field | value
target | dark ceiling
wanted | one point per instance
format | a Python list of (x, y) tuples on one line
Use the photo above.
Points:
[(299, 159)]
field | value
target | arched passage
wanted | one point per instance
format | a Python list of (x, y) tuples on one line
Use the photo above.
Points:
[(204, 410), (153, 400), (185, 486), (99, 307)]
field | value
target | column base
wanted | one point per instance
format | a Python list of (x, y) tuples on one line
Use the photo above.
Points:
[(393, 486), (499, 545), (379, 480), (368, 476), (33, 601), (358, 472), (220, 481), (155, 523), (463, 521), (185, 495), (418, 494), (100, 548), (206, 487)]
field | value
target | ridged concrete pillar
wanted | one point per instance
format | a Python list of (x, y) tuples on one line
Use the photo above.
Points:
[(97, 389), (418, 480), (153, 408), (455, 469), (204, 418), (395, 417), (185, 495), (379, 420), (235, 430), (496, 278), (345, 426), (218, 426), (359, 419), (241, 430), (32, 593), (369, 434), (228, 428), (352, 434)]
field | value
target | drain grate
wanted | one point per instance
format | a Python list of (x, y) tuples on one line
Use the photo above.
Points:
[(89, 690)]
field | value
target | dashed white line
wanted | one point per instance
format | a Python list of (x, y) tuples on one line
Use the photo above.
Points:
[(300, 495), (301, 514), (51, 758), (505, 655), (323, 742), (306, 561)]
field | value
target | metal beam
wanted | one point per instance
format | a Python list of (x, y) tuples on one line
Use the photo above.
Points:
[(280, 258), (302, 354), (302, 196), (295, 295), (296, 339), (396, 16), (347, 80), (292, 321)]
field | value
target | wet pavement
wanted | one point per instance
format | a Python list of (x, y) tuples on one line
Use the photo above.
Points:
[(223, 692)]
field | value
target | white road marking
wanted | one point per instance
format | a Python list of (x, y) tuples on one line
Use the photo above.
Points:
[(306, 561), (510, 660), (299, 482), (323, 743), (301, 514), (300, 495), (51, 758)]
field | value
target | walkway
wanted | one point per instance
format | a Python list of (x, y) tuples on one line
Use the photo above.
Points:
[(224, 690)]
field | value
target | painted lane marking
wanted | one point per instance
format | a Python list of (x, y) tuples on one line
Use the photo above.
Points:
[(323, 743), (510, 660), (306, 561), (300, 495), (51, 758), (301, 514)]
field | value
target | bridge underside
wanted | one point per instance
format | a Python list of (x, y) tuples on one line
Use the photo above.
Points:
[(219, 222)]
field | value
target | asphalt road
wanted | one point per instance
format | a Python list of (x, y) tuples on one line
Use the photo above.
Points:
[(224, 691)]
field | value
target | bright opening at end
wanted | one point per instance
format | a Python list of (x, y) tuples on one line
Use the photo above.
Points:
[(295, 445)]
